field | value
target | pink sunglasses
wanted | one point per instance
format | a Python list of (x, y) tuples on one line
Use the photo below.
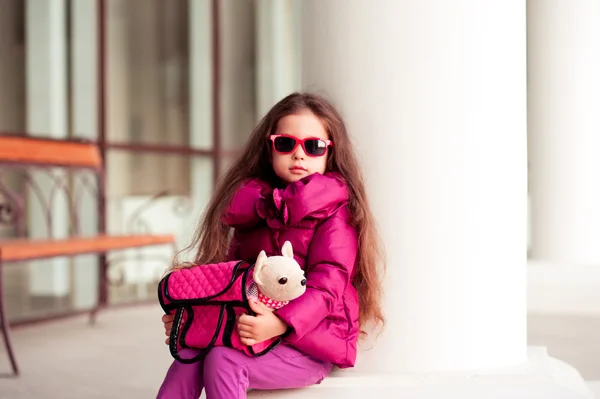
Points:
[(312, 146)]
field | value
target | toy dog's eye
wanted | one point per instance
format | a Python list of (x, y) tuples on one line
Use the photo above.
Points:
[(283, 280)]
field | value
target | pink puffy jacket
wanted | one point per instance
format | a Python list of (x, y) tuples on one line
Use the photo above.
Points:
[(312, 214)]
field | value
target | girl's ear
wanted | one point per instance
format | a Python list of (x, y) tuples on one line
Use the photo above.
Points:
[(258, 266), (287, 250)]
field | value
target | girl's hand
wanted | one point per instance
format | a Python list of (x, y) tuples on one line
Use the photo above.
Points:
[(167, 320), (259, 328)]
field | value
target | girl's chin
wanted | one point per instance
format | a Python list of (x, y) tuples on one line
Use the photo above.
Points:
[(293, 177)]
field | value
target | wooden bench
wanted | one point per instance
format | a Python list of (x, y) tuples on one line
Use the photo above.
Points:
[(28, 154)]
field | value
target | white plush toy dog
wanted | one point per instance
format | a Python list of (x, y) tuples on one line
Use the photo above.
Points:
[(278, 279)]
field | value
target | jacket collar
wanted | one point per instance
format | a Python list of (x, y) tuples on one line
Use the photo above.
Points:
[(317, 196)]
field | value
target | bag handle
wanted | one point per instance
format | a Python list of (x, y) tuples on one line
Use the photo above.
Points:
[(174, 338)]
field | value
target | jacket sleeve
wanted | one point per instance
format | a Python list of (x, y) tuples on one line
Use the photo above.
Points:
[(330, 267), (241, 212)]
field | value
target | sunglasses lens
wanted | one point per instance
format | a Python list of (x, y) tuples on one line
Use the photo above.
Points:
[(284, 144), (315, 147)]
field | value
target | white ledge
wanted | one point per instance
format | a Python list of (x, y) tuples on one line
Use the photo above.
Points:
[(541, 376)]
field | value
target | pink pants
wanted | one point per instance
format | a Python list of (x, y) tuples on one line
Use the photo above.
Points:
[(228, 373)]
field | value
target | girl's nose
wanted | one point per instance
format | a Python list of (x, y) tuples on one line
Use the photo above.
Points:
[(299, 153)]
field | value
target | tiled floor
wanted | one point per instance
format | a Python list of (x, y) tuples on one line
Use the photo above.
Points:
[(122, 356)]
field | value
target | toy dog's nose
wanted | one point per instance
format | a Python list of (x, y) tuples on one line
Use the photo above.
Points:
[(303, 282)]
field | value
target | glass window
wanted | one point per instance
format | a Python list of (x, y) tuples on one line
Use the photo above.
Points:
[(148, 78), (166, 63), (12, 67)]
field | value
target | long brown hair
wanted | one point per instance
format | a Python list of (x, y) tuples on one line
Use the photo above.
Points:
[(212, 236)]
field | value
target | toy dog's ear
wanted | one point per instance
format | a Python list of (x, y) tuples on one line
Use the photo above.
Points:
[(287, 250), (260, 263)]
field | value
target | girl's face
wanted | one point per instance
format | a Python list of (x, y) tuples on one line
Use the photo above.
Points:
[(293, 163)]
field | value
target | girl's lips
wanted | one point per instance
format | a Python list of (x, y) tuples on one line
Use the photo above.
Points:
[(297, 170)]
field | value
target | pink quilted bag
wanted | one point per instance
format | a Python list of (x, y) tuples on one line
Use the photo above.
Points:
[(206, 300)]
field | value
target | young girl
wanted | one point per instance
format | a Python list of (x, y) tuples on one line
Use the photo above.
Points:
[(297, 180)]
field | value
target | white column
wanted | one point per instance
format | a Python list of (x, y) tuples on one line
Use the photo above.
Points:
[(564, 130), (200, 74), (84, 119), (434, 95), (278, 40), (200, 111), (47, 116), (119, 165)]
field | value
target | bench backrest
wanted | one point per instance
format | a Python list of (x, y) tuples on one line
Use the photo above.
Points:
[(20, 153), (47, 152)]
